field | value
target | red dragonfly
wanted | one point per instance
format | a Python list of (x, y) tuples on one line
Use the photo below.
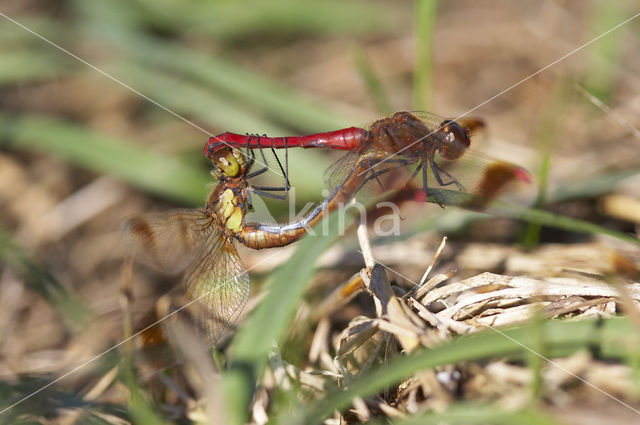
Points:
[(201, 240), (393, 142)]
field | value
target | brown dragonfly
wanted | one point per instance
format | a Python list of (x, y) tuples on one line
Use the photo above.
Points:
[(201, 240)]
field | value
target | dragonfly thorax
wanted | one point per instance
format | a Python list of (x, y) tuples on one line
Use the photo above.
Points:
[(228, 208)]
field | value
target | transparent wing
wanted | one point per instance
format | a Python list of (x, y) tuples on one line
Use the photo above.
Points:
[(478, 172), (218, 284), (379, 172), (472, 181), (167, 241), (429, 118), (475, 125), (335, 174)]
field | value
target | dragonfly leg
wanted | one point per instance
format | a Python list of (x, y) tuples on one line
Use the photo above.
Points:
[(261, 190), (251, 153), (416, 171), (374, 172), (375, 176), (425, 186), (265, 193), (285, 170), (257, 172), (436, 173), (371, 173)]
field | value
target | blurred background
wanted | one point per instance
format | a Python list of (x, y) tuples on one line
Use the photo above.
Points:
[(80, 151)]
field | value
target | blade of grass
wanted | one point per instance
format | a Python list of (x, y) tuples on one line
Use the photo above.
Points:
[(270, 320), (536, 359), (372, 82), (548, 133), (286, 18), (28, 66), (423, 72), (556, 221), (142, 168), (531, 236), (604, 55), (142, 412), (505, 209), (591, 186), (15, 37), (113, 22), (186, 98), (562, 338), (234, 83)]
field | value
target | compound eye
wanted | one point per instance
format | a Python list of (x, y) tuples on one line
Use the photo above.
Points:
[(227, 163), (454, 138)]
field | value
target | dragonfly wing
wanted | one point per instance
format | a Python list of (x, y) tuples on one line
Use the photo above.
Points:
[(339, 170), (218, 283), (480, 176), (375, 172), (167, 241), (476, 125)]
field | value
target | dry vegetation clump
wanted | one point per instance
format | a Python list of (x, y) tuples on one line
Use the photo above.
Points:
[(429, 314)]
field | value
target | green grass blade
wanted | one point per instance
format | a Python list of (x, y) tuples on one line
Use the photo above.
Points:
[(191, 100), (271, 319), (531, 236), (589, 187), (556, 221), (287, 18), (372, 82), (232, 83), (11, 35), (535, 358), (142, 411), (235, 84), (18, 67), (605, 55), (501, 208), (159, 174), (423, 71)]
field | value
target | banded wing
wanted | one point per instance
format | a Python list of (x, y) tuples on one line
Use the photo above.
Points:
[(480, 176), (168, 241), (218, 284)]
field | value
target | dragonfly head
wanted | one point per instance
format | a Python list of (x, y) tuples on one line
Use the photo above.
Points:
[(229, 163), (455, 139)]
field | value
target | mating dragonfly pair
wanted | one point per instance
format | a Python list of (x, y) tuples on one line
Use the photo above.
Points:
[(202, 239)]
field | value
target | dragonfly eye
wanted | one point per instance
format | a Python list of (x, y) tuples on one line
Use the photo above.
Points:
[(228, 163), (455, 140)]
